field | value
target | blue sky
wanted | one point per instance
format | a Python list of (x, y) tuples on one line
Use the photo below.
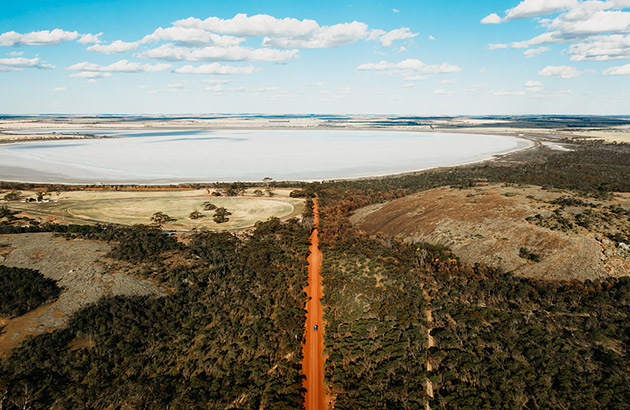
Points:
[(365, 57)]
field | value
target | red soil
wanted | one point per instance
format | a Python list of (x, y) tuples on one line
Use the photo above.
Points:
[(313, 362)]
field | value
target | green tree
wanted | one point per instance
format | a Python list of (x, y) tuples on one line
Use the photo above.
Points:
[(221, 215), (209, 206), (196, 215), (234, 189), (160, 218), (13, 196)]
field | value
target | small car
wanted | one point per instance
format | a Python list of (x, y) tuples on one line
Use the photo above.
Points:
[(315, 328)]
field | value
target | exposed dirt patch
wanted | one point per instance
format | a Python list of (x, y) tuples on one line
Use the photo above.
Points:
[(81, 343), (487, 224), (79, 267)]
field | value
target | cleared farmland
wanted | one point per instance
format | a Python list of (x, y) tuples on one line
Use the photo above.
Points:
[(136, 207)]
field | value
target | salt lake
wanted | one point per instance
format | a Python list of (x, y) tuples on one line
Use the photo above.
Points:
[(175, 156)]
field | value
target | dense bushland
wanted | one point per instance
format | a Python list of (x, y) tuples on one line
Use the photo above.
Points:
[(500, 341), (22, 290), (228, 337)]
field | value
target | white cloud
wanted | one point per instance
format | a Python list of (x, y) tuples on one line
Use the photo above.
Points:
[(59, 89), (532, 83), (324, 37), (582, 23), (282, 33), (396, 10), (545, 38), (618, 70), (19, 63), (533, 86), (175, 85), (170, 52), (497, 46), (533, 52), (410, 65), (37, 38), (447, 82), (408, 85), (15, 53), (442, 92), (215, 81), (491, 19), (509, 93), (530, 88), (536, 8), (587, 19), (217, 69), (415, 78), (164, 90), (214, 88), (191, 36), (431, 38), (563, 71), (122, 66), (388, 37), (220, 90), (117, 46), (602, 48), (90, 74), (90, 38), (254, 26)]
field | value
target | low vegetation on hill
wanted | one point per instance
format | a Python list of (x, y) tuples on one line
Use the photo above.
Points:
[(509, 226)]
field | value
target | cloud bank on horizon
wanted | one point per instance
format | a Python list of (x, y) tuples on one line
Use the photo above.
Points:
[(377, 63)]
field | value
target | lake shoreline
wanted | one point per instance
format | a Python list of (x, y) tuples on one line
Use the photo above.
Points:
[(417, 161), (11, 138)]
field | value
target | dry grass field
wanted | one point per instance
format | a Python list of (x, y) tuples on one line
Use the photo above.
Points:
[(136, 207), (490, 224)]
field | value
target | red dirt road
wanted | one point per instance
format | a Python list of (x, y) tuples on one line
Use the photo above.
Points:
[(312, 349)]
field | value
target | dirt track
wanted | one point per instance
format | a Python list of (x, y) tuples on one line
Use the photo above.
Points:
[(313, 362)]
